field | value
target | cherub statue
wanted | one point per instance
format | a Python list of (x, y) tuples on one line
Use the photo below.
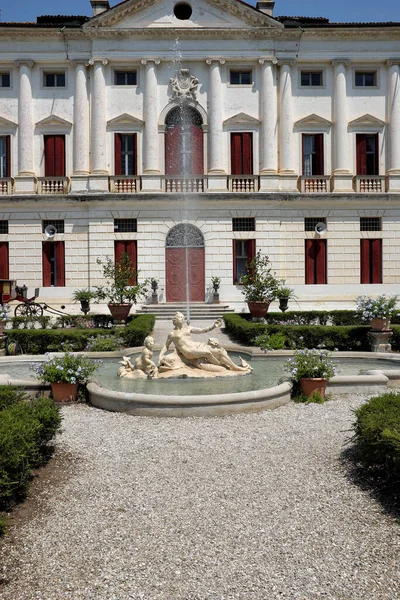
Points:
[(142, 364)]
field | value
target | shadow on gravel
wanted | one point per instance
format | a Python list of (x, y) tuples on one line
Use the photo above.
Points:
[(384, 492)]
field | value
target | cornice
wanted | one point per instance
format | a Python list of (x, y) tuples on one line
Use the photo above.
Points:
[(393, 62)]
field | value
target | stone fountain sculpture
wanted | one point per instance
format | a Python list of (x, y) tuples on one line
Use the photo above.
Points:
[(187, 359)]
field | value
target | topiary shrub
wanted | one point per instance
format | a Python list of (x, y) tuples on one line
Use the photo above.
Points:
[(377, 436)]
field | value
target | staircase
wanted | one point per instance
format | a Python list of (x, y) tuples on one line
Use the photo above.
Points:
[(198, 310)]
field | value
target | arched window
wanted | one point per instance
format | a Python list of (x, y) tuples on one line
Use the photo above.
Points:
[(184, 154)]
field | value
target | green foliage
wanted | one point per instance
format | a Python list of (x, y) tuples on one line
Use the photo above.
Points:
[(9, 395), (285, 292), (301, 336), (82, 295), (259, 283), (315, 398), (377, 435), (30, 322), (274, 341), (68, 368), (3, 524), (40, 341), (119, 288), (137, 329), (85, 322), (104, 343), (26, 428)]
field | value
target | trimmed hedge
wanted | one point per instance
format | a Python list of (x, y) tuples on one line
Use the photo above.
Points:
[(40, 341), (240, 328), (26, 428), (377, 436)]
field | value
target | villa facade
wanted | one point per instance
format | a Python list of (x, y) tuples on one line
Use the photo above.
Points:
[(193, 134)]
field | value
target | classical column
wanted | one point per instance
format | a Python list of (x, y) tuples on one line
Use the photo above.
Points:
[(286, 163), (394, 124), (269, 130), (215, 111), (99, 127), (25, 181), (25, 119), (342, 169), (81, 120), (151, 158)]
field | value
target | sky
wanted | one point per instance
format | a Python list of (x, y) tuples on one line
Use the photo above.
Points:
[(336, 10)]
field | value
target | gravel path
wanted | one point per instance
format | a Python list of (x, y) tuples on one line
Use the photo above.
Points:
[(249, 507)]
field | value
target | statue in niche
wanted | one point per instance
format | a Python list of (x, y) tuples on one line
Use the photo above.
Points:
[(184, 85)]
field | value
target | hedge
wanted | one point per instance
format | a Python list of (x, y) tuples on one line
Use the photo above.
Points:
[(377, 436), (26, 428), (241, 329), (40, 341)]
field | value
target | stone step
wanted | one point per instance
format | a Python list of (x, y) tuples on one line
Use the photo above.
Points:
[(197, 310)]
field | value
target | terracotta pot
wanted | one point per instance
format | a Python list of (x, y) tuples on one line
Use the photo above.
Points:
[(258, 309), (64, 392), (380, 324), (314, 384), (120, 312)]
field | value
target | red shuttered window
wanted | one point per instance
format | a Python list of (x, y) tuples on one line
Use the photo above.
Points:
[(54, 155), (128, 247), (243, 252), (371, 261), (242, 153), (367, 154), (4, 260), (316, 261), (125, 154), (53, 259)]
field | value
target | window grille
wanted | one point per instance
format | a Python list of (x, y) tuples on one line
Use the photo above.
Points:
[(57, 223), (4, 227), (125, 225), (243, 224), (311, 222), (370, 224)]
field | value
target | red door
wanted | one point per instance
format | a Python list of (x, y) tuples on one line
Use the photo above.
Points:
[(185, 274)]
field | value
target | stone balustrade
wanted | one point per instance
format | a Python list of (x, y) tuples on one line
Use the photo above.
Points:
[(6, 186), (53, 185), (370, 184), (243, 183), (124, 184), (317, 184), (189, 185)]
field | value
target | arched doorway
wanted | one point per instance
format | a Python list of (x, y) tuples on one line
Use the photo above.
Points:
[(184, 264), (184, 151)]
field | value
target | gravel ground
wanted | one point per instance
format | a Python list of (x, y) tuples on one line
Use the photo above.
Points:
[(249, 507)]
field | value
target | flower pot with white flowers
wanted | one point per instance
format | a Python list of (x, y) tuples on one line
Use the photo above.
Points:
[(378, 311)]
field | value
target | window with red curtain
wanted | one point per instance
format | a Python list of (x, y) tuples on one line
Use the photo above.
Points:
[(316, 261), (128, 247), (367, 154), (125, 154), (53, 259), (54, 155), (5, 156), (313, 154), (242, 153), (4, 260), (371, 261), (243, 252)]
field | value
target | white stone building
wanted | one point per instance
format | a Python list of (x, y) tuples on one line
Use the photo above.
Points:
[(288, 122)]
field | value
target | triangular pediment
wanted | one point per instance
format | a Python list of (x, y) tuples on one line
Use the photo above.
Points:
[(53, 121), (313, 119), (124, 119), (6, 123), (206, 14), (367, 119), (241, 119)]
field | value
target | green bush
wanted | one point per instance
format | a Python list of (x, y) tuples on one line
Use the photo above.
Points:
[(30, 322), (377, 435), (10, 395), (300, 336), (137, 329), (26, 428)]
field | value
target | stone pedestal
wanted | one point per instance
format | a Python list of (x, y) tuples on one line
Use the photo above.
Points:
[(379, 340)]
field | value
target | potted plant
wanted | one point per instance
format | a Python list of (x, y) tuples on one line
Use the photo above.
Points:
[(378, 311), (260, 285), (122, 287), (216, 282), (284, 294), (4, 310), (65, 373), (154, 287), (84, 297), (312, 368)]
